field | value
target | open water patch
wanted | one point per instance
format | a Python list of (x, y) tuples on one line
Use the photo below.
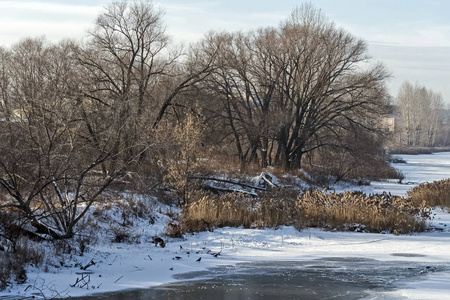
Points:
[(408, 255), (330, 278)]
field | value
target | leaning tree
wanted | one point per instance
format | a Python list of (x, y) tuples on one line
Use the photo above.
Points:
[(48, 167)]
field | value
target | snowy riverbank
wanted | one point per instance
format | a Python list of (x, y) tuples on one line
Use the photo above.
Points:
[(130, 266)]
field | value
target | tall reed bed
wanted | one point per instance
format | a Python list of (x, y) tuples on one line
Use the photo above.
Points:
[(436, 193), (374, 213), (312, 208)]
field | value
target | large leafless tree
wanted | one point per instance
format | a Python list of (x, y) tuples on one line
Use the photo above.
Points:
[(132, 69), (285, 90)]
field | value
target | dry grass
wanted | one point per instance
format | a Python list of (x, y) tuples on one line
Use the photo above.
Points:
[(416, 150), (15, 258), (433, 194), (209, 212), (410, 150), (374, 213)]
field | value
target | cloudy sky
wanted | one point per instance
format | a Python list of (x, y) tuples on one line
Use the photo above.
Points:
[(412, 37)]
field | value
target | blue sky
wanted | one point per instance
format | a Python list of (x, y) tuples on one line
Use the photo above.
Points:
[(412, 37)]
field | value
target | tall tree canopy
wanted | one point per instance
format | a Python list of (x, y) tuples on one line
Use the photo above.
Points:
[(286, 90)]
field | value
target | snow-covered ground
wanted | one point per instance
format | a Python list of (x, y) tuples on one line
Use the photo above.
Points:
[(130, 266)]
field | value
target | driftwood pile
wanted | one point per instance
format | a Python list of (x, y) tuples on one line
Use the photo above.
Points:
[(219, 185)]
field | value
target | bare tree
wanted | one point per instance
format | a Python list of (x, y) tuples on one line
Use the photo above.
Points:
[(124, 59), (289, 88), (133, 73), (436, 109), (47, 165), (324, 83), (232, 81), (4, 84), (420, 114)]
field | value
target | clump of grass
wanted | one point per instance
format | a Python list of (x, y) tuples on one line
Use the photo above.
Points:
[(313, 208), (377, 213), (277, 208), (173, 230), (436, 193), (416, 150), (272, 209), (410, 150), (14, 260), (212, 211)]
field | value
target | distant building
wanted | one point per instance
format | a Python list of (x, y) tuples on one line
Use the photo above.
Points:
[(388, 124)]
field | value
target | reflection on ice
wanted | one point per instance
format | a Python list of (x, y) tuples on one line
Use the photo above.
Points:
[(331, 278)]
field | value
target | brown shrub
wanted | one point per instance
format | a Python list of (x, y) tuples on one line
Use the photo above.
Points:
[(410, 150), (276, 208), (436, 193), (14, 261), (173, 230)]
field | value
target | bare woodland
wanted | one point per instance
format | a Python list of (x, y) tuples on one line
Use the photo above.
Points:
[(420, 112), (79, 117)]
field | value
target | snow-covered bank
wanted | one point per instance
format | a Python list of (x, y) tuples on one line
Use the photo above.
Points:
[(123, 266), (130, 266)]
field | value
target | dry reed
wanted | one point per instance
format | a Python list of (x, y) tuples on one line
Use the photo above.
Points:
[(436, 193), (313, 208), (374, 213)]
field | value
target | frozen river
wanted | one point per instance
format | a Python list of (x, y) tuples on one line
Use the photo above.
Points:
[(425, 168), (340, 265), (331, 278), (417, 169)]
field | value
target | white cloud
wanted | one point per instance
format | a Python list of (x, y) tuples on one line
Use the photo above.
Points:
[(429, 66), (189, 21), (438, 36), (20, 19), (47, 8), (427, 37), (410, 34), (51, 30)]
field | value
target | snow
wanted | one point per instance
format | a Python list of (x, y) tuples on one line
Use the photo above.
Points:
[(121, 266), (418, 169)]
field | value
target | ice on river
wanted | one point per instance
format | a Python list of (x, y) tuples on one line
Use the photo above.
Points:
[(417, 169)]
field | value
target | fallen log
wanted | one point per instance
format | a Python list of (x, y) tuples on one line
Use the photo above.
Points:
[(218, 190), (226, 181)]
